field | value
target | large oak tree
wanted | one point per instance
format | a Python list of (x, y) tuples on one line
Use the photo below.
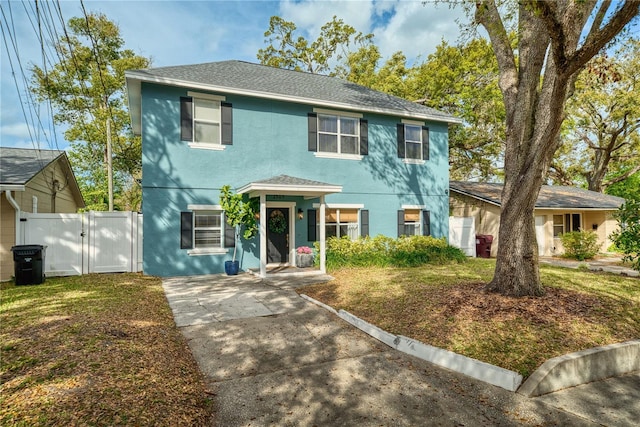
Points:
[(555, 40)]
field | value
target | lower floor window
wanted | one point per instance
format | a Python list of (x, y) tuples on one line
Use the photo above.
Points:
[(566, 223), (341, 222), (207, 229), (412, 222)]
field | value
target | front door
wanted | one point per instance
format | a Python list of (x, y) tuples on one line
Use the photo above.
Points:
[(277, 235)]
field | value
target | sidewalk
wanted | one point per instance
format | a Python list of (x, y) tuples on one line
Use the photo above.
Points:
[(606, 264), (271, 358)]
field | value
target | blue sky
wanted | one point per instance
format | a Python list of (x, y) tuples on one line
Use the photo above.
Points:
[(189, 32)]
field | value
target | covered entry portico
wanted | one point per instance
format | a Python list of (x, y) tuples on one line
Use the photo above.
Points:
[(284, 185)]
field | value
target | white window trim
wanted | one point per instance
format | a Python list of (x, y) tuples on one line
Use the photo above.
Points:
[(406, 160), (421, 207), (339, 206), (413, 161), (208, 96), (412, 122), (337, 113), (207, 146), (322, 154), (208, 251)]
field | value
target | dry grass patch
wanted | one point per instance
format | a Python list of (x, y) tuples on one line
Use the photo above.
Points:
[(96, 350), (446, 306)]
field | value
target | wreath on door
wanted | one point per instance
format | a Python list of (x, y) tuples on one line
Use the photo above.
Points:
[(277, 222)]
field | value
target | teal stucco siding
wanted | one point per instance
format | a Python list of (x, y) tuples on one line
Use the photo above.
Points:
[(270, 139)]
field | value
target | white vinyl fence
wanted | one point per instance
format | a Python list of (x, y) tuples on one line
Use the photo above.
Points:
[(462, 234), (90, 242)]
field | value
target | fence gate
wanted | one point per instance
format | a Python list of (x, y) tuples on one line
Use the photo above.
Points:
[(90, 242), (462, 234)]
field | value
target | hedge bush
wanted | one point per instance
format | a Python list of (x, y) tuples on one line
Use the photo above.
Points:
[(580, 245), (382, 251)]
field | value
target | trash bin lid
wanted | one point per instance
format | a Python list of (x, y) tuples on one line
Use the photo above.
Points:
[(27, 249)]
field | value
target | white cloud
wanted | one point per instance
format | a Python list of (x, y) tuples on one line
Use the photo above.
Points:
[(416, 29), (19, 130)]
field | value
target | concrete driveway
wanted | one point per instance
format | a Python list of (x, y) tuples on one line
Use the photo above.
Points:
[(272, 358)]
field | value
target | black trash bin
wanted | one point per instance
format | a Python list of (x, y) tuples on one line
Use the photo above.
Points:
[(483, 245), (28, 263)]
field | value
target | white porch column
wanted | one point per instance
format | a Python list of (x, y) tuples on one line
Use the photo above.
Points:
[(263, 235), (323, 243)]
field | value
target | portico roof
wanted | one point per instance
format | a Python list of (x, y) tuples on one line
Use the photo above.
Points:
[(289, 185)]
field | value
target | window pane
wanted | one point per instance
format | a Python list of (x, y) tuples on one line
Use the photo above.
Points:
[(332, 231), (207, 239), (328, 124), (348, 215), (349, 145), (207, 219), (207, 132), (414, 150), (411, 215), (344, 230), (328, 143), (412, 133), (348, 126), (331, 215), (412, 229), (557, 220), (557, 230), (207, 110), (353, 231)]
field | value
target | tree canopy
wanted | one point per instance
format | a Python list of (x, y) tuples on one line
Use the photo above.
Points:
[(87, 89)]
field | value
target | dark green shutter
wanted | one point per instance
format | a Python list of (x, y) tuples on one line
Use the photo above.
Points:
[(186, 118), (226, 114), (400, 223), (401, 151), (426, 223), (311, 225), (186, 230), (425, 143), (364, 137), (313, 132), (364, 222)]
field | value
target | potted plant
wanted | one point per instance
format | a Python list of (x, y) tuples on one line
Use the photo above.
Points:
[(239, 212), (304, 257)]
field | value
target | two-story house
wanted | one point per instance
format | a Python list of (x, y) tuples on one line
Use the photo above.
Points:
[(325, 157)]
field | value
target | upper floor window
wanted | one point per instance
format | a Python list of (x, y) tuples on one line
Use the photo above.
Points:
[(206, 121), (413, 142), (339, 135)]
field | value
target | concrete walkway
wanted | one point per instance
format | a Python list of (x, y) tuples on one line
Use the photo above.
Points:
[(606, 264), (271, 358)]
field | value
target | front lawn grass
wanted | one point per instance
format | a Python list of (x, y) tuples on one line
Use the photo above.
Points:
[(97, 350), (446, 306)]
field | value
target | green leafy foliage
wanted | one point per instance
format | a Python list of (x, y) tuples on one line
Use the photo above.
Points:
[(601, 137), (580, 245), (286, 50), (87, 89), (239, 212), (383, 251), (627, 239)]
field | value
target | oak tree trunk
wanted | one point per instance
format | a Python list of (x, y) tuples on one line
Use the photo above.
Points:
[(534, 86)]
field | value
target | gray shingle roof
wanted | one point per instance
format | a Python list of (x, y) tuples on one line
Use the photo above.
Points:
[(275, 82), (550, 196), (19, 165), (290, 180)]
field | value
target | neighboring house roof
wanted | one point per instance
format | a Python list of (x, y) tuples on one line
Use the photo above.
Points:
[(550, 196), (245, 78), (19, 165)]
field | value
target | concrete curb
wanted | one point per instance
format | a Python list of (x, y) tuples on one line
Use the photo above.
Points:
[(482, 371), (583, 367)]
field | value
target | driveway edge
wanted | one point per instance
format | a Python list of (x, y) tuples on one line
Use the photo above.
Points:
[(583, 367), (473, 368)]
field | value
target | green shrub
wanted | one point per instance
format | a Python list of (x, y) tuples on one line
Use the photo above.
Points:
[(384, 251), (580, 245), (627, 238)]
